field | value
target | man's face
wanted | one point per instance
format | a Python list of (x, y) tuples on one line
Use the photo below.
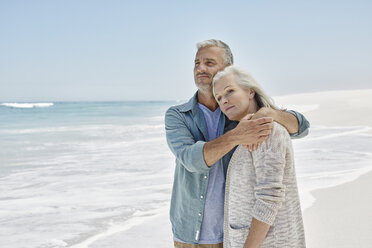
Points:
[(208, 61)]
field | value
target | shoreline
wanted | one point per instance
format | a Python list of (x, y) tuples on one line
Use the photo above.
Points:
[(153, 231), (341, 215)]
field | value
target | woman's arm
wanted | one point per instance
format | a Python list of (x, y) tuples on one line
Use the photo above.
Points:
[(269, 161)]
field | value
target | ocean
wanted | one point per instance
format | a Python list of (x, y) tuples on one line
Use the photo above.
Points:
[(71, 171), (74, 173)]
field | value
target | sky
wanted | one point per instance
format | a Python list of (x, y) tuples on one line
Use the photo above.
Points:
[(75, 50)]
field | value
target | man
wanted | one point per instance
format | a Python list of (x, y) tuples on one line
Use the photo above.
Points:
[(203, 140)]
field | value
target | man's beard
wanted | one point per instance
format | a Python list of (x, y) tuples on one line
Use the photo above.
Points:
[(204, 87)]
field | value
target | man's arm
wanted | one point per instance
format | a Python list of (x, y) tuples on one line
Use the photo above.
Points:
[(198, 156), (246, 132), (182, 143), (295, 123), (303, 125)]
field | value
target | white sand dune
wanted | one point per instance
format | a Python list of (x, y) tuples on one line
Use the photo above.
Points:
[(333, 108)]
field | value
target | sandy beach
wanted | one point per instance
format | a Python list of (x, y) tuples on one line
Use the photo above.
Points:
[(341, 216), (157, 232)]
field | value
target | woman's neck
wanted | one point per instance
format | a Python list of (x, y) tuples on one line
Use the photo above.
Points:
[(252, 108)]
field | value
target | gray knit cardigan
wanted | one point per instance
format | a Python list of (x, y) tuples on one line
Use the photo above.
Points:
[(262, 184)]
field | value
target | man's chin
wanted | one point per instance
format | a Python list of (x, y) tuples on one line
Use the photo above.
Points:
[(204, 85)]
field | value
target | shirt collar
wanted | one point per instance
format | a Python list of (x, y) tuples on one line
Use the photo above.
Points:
[(192, 105)]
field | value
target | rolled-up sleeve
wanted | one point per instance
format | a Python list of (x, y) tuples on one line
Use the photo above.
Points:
[(303, 125), (269, 161), (182, 143)]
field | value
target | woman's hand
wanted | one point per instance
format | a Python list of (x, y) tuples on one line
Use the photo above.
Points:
[(257, 234)]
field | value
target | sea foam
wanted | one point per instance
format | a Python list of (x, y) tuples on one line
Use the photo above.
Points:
[(27, 105)]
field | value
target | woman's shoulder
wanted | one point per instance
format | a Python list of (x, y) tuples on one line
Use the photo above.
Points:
[(279, 131), (277, 140)]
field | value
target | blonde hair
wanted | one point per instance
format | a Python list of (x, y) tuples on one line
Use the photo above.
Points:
[(246, 81)]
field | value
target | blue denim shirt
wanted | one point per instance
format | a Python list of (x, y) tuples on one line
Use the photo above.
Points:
[(187, 132)]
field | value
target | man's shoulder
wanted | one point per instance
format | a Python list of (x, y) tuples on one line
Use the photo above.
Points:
[(177, 112), (184, 107), (179, 107)]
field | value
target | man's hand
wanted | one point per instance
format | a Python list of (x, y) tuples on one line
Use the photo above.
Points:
[(251, 133), (286, 119), (247, 132), (264, 112)]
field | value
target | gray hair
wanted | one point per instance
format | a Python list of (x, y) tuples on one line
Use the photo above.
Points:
[(246, 81), (227, 55)]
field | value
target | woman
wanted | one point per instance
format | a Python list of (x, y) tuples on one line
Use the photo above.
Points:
[(262, 207)]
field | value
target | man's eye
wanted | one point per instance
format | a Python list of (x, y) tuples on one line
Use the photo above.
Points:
[(230, 91), (218, 99)]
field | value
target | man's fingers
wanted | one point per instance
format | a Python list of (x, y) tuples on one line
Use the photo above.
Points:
[(255, 126), (264, 132), (250, 148), (249, 131), (263, 120), (261, 139), (248, 117), (266, 126), (254, 147)]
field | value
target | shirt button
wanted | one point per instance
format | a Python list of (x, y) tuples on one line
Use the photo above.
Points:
[(199, 214), (205, 177), (201, 196)]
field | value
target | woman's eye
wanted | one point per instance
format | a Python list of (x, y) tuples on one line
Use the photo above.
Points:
[(218, 99)]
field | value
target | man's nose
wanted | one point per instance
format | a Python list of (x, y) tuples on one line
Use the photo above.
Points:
[(202, 68)]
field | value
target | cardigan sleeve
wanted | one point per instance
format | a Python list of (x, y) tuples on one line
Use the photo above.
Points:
[(269, 161)]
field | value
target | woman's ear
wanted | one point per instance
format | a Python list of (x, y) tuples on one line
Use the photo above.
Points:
[(252, 93)]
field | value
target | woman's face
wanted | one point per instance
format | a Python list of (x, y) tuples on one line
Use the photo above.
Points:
[(234, 101)]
